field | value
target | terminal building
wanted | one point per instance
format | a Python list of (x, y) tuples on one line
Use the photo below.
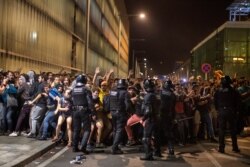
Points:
[(51, 35), (226, 49)]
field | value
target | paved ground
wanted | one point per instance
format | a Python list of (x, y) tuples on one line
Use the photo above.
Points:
[(203, 154), (19, 151)]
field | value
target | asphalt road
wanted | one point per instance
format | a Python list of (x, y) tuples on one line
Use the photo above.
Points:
[(203, 154)]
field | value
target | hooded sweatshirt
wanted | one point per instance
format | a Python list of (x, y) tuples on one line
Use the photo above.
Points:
[(23, 90)]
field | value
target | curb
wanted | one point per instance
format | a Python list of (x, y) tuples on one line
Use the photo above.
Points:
[(33, 154)]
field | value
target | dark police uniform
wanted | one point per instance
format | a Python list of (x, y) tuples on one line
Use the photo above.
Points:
[(119, 104), (149, 118), (167, 112), (227, 101), (82, 110)]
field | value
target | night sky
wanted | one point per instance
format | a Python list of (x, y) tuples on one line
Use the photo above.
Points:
[(173, 28)]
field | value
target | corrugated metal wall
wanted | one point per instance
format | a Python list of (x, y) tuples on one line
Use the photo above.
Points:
[(47, 35)]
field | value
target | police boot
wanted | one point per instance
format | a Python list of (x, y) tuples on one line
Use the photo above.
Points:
[(171, 153), (236, 149), (157, 153), (75, 149), (235, 145), (116, 151), (147, 157), (148, 154), (221, 149)]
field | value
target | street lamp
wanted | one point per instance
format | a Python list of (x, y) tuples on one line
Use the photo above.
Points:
[(142, 16)]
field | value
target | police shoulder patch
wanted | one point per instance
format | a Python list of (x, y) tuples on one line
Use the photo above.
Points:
[(77, 90), (113, 93)]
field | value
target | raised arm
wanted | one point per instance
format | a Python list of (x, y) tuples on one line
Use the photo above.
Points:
[(97, 71), (111, 71)]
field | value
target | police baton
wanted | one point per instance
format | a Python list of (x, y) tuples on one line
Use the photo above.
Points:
[(183, 119)]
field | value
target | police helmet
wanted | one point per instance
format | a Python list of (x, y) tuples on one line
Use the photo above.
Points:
[(122, 84), (149, 85), (168, 85), (226, 81), (81, 79)]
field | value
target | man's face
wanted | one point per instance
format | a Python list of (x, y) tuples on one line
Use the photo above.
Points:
[(10, 76), (50, 76), (20, 81), (95, 94), (40, 79), (66, 81), (178, 88), (60, 89), (104, 87), (46, 89), (196, 89), (131, 92)]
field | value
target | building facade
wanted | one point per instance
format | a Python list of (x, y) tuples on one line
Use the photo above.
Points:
[(226, 49), (49, 35)]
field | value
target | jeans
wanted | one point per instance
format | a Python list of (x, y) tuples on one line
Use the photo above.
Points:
[(205, 117), (1, 117), (49, 120), (8, 114), (37, 115)]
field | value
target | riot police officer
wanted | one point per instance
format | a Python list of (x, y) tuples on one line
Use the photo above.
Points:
[(83, 108), (149, 119), (227, 101), (167, 113), (118, 106)]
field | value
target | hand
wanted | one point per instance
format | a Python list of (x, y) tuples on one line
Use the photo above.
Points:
[(57, 98), (5, 81), (131, 72), (97, 70), (111, 70), (30, 103)]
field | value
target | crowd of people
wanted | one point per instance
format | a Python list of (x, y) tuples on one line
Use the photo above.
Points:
[(88, 112)]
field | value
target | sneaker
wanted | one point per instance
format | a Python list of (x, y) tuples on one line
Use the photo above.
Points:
[(24, 134), (13, 134), (99, 145), (31, 135), (89, 148), (131, 143), (42, 138)]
